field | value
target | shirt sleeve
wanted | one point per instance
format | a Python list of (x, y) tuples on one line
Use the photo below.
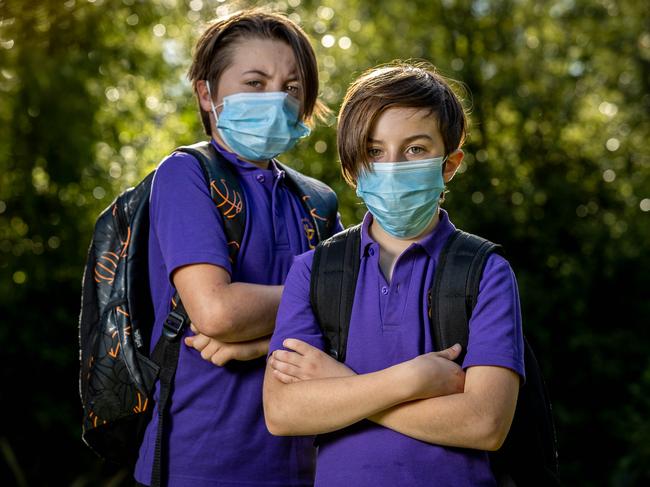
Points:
[(295, 318), (184, 218), (495, 333)]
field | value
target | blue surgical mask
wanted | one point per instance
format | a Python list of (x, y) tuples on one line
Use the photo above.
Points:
[(259, 126), (402, 196)]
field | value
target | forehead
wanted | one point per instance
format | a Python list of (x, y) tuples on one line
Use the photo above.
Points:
[(402, 122), (271, 56)]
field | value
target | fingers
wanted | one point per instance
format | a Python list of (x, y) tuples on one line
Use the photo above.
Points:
[(287, 379), (189, 340), (292, 358), (210, 349), (199, 342), (284, 367), (450, 353), (220, 358), (299, 346)]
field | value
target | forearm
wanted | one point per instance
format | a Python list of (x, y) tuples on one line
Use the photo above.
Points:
[(323, 405), (224, 310), (479, 417), (249, 350), (248, 312), (448, 420)]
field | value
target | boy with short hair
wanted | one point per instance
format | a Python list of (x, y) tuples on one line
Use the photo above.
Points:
[(396, 412)]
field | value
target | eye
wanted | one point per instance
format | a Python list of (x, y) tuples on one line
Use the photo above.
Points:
[(293, 89), (254, 83), (374, 153), (415, 150)]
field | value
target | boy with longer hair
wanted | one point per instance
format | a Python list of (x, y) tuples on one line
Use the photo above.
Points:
[(256, 80)]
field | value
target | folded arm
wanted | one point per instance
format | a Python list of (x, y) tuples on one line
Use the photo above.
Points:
[(306, 407), (479, 416), (224, 310)]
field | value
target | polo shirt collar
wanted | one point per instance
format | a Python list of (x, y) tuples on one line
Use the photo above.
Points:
[(431, 243)]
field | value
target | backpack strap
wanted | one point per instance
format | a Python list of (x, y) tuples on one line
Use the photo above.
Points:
[(227, 194), (451, 299), (225, 190), (318, 199), (529, 453), (334, 273), (454, 292), (531, 445)]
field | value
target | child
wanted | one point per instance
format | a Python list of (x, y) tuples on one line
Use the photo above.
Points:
[(256, 81), (397, 413)]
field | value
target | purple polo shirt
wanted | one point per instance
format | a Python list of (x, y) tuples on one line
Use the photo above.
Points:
[(389, 325), (216, 432)]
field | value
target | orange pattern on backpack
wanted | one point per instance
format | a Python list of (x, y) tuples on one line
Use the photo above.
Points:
[(228, 197), (312, 212), (125, 243), (113, 351), (105, 267), (141, 406), (235, 244), (95, 419)]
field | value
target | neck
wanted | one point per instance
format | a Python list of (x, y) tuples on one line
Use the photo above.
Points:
[(392, 247), (260, 164)]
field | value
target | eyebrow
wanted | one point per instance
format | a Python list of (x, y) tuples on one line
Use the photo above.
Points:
[(256, 71), (292, 76), (408, 139)]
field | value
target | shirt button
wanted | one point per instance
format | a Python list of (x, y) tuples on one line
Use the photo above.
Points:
[(384, 290), (260, 178), (371, 251)]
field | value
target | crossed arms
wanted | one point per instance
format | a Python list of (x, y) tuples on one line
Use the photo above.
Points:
[(231, 320), (428, 398), (306, 392)]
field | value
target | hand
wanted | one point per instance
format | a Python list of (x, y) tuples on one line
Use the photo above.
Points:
[(434, 374), (220, 353), (303, 362)]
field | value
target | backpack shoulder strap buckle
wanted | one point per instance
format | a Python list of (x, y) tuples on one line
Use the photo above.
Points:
[(174, 324)]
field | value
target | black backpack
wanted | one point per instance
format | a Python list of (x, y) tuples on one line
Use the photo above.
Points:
[(528, 457), (118, 371)]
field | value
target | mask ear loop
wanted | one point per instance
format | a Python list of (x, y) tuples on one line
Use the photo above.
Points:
[(214, 110), (441, 200)]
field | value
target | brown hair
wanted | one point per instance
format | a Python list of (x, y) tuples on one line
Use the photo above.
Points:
[(213, 54), (399, 84)]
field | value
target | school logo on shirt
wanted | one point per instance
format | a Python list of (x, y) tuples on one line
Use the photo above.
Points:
[(310, 233)]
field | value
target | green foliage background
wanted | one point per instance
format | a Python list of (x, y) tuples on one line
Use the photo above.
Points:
[(93, 94)]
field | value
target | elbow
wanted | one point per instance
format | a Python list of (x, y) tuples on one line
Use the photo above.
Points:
[(493, 443), (275, 416), (275, 420), (493, 433), (215, 321), (276, 428)]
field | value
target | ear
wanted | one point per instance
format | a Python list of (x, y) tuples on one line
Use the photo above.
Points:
[(203, 95), (452, 164)]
